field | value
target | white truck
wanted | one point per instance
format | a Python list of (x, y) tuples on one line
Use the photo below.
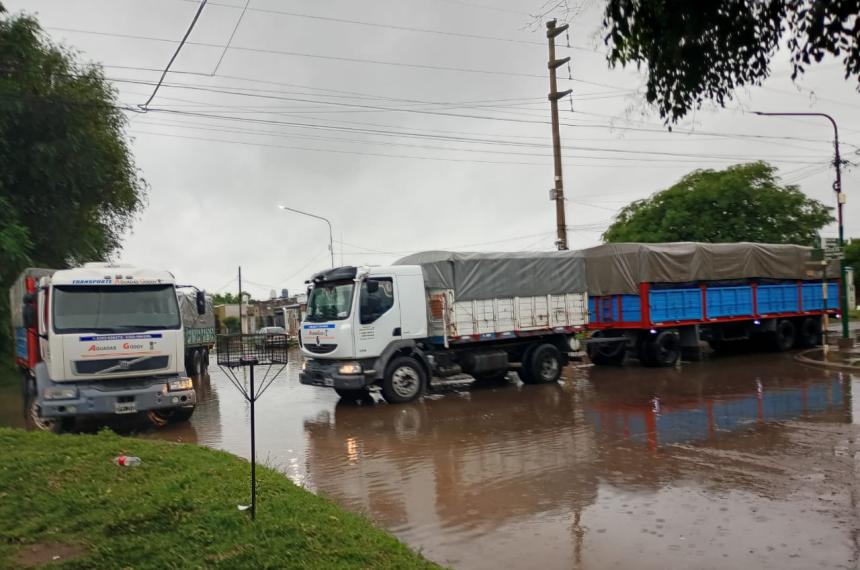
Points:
[(100, 340), (441, 318)]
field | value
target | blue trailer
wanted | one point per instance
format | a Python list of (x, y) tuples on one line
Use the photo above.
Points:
[(654, 300)]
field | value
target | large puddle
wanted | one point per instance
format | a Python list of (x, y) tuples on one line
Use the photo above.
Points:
[(739, 462)]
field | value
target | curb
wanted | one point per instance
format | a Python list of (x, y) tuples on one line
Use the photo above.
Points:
[(804, 359)]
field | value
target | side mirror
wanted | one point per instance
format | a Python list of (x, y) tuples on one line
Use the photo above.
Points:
[(200, 298), (28, 314), (372, 286)]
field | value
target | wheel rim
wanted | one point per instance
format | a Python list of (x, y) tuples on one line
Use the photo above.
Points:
[(549, 368), (405, 381), (41, 424)]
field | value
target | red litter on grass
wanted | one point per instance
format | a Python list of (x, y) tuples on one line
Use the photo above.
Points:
[(127, 461)]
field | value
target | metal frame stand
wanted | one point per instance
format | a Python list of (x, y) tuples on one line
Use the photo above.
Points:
[(252, 350)]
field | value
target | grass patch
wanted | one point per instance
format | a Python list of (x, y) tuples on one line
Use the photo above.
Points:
[(176, 510)]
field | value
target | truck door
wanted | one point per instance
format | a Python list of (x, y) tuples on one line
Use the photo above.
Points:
[(378, 319)]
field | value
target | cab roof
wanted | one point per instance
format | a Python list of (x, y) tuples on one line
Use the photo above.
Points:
[(108, 274)]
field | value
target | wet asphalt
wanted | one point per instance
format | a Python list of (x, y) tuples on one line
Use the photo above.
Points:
[(742, 461)]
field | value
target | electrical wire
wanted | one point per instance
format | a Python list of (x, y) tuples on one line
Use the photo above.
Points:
[(232, 34), (175, 54)]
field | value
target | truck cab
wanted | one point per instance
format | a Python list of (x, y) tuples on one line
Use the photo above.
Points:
[(109, 340), (356, 318)]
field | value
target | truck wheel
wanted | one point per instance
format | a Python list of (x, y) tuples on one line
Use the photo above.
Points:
[(197, 362), (661, 350), (809, 334), (783, 337), (53, 425), (161, 418), (602, 353), (205, 359), (404, 380), (543, 365)]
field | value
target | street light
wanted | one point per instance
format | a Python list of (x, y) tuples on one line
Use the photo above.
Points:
[(840, 200), (330, 241)]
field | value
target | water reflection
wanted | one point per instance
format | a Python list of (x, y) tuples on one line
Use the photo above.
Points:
[(744, 461)]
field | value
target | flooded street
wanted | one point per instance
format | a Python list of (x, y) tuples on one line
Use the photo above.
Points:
[(738, 462)]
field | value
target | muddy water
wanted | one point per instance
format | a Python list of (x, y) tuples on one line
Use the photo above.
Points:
[(739, 462)]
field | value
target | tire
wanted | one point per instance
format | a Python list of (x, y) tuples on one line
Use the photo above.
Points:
[(543, 365), (205, 359), (809, 333), (662, 350), (197, 362), (36, 423), (783, 337), (161, 418), (609, 353), (404, 380)]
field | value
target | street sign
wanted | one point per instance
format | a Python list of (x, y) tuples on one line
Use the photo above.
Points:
[(831, 248)]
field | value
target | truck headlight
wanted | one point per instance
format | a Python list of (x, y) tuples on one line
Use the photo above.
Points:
[(304, 365), (60, 393), (180, 384), (350, 368)]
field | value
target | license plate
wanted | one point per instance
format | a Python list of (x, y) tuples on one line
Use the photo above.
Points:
[(329, 382), (125, 407)]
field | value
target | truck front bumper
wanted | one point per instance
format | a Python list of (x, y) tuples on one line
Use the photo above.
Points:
[(317, 373), (117, 397)]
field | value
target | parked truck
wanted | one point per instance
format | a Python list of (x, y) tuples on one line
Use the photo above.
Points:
[(100, 340), (652, 301), (438, 318), (199, 329)]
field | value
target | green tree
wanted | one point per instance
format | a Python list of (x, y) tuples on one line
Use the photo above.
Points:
[(230, 298), (741, 203), (69, 188), (694, 51), (231, 324), (852, 255)]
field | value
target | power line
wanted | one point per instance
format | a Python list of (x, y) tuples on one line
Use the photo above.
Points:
[(232, 34), (343, 58), (175, 53), (394, 26)]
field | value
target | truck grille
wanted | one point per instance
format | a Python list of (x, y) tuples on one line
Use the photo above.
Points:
[(320, 349), (96, 366)]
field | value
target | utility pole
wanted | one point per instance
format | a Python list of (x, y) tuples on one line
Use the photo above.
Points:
[(557, 193), (241, 320), (840, 202)]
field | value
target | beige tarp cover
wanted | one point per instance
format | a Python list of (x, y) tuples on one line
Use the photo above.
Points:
[(475, 276), (618, 268)]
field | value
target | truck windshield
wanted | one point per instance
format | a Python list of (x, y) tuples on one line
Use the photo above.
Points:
[(330, 301), (107, 309)]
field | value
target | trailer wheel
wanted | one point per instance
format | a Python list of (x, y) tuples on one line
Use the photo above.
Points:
[(662, 349), (809, 334), (161, 418), (542, 365), (782, 338), (404, 380), (611, 353)]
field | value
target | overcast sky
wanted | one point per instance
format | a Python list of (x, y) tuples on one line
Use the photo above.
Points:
[(405, 139)]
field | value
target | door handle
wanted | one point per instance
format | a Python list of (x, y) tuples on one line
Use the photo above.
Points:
[(396, 332)]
